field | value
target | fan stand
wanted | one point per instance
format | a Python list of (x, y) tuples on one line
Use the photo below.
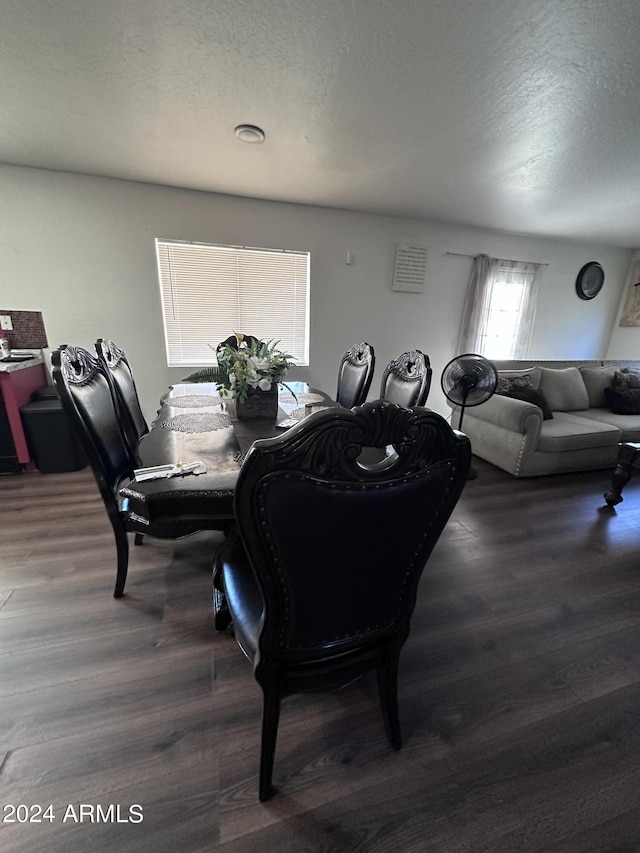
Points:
[(467, 390), (469, 377)]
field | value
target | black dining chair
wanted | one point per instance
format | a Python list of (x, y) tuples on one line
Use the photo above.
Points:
[(321, 582), (124, 389), (406, 380), (87, 398), (355, 373)]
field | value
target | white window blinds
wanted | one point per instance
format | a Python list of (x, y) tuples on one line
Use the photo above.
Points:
[(209, 292)]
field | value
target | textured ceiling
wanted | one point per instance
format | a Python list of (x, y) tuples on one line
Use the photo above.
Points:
[(517, 115)]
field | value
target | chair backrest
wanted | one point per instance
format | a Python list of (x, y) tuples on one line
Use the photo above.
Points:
[(124, 389), (406, 380), (87, 398), (338, 548), (354, 375), (232, 341)]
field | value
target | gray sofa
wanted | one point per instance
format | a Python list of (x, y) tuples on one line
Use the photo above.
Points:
[(582, 434)]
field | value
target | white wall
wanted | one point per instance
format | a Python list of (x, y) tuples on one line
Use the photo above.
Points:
[(625, 340), (81, 250)]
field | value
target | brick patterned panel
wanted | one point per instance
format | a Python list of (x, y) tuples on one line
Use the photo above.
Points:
[(28, 329)]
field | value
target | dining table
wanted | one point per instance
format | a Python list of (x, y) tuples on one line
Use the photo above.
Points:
[(196, 424)]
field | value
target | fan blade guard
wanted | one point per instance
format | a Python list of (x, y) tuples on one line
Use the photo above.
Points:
[(469, 379)]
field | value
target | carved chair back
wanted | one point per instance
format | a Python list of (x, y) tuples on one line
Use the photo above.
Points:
[(338, 548), (355, 373), (124, 390), (86, 395), (232, 343), (406, 380)]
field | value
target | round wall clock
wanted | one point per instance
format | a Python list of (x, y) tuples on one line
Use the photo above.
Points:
[(590, 280)]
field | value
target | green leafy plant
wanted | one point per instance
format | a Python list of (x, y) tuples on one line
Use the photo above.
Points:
[(245, 363), (206, 374)]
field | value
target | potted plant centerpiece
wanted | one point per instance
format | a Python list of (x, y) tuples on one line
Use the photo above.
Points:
[(249, 371)]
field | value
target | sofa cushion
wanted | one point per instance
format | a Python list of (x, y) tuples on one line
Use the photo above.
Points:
[(624, 401), (629, 425), (596, 379), (571, 432), (564, 389), (528, 378), (626, 379), (530, 395)]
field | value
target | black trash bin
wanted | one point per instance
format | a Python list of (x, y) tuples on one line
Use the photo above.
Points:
[(47, 392), (53, 443)]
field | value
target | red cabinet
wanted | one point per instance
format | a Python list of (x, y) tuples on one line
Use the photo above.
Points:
[(17, 385)]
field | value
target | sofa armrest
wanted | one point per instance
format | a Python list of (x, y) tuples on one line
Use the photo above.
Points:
[(515, 415)]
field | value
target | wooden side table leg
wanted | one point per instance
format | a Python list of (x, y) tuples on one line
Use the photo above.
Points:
[(621, 474)]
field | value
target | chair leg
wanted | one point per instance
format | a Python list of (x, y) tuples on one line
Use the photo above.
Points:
[(221, 614), (270, 719), (138, 539), (122, 544), (388, 692)]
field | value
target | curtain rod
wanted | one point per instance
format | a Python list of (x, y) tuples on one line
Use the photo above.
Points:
[(463, 255)]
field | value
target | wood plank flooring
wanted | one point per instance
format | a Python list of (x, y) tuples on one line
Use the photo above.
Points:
[(519, 690)]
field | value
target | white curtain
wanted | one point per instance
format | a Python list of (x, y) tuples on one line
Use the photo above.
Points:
[(476, 304), (500, 307)]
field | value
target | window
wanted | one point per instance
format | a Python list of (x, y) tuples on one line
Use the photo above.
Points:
[(210, 291), (500, 308), (509, 289)]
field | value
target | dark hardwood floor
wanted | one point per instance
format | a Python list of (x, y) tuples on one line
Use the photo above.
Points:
[(519, 690)]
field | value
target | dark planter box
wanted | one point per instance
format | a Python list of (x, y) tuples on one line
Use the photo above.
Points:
[(259, 404)]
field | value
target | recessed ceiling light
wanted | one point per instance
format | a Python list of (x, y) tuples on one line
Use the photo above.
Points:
[(249, 133)]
